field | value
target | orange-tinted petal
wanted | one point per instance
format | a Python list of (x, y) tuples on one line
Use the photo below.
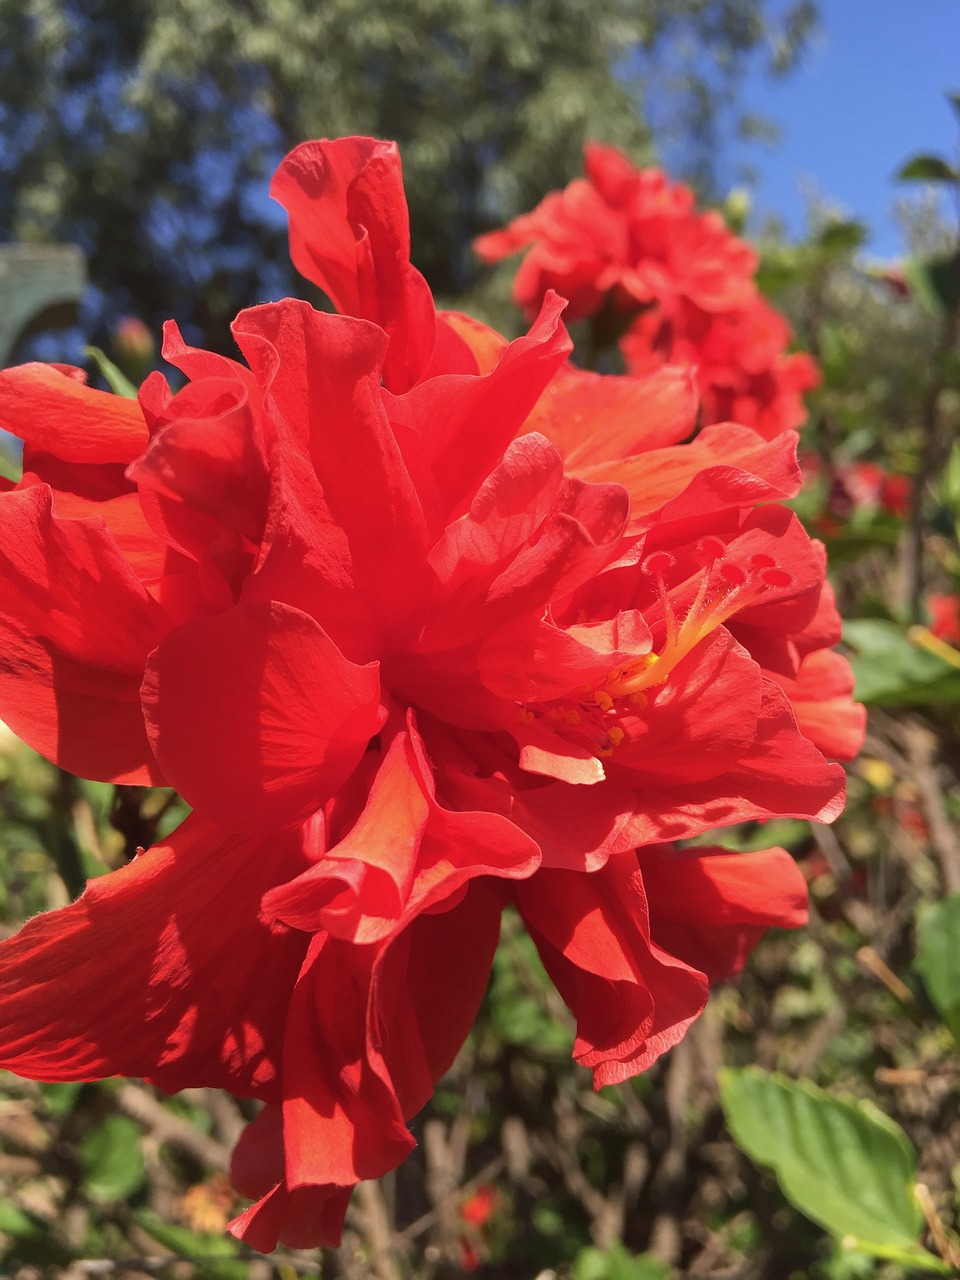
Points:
[(57, 413)]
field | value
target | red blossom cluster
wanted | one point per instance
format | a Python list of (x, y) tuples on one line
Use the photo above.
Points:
[(421, 623), (944, 613), (867, 485), (630, 243), (853, 491)]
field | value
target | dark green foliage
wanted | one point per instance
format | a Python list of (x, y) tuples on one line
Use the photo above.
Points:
[(146, 131)]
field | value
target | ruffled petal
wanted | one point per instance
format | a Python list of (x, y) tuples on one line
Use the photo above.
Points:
[(822, 699), (166, 969), (76, 627), (357, 1068), (406, 854), (725, 466), (455, 428), (323, 378), (534, 660), (702, 718), (350, 234), (631, 1000), (710, 907), (781, 774)]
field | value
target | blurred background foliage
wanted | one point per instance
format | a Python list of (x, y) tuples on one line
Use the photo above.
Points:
[(146, 133)]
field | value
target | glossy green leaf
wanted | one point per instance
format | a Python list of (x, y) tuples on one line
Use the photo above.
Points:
[(116, 379), (927, 168), (112, 1160), (891, 669), (938, 959), (843, 1163)]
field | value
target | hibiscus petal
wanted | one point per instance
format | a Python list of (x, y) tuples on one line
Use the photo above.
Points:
[(703, 717), (165, 969), (205, 456), (123, 515), (486, 344), (781, 774), (551, 756), (822, 699), (405, 854), (725, 466), (342, 1120), (710, 906), (350, 234), (76, 628), (256, 716), (303, 1218), (596, 419), (507, 511), (53, 411), (631, 1000), (457, 427), (371, 870), (359, 1065), (575, 828), (326, 389), (533, 660)]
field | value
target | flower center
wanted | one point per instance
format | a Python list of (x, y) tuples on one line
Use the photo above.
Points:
[(724, 588)]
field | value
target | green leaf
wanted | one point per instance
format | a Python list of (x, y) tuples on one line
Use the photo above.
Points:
[(844, 1164), (518, 998), (890, 669), (938, 959), (781, 266), (617, 1263), (22, 1226), (927, 168), (60, 1099), (214, 1256), (116, 379), (936, 281), (838, 238), (954, 100), (112, 1160)]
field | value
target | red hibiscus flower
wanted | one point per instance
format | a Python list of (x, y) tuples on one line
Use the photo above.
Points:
[(867, 485), (631, 236), (409, 656), (742, 371), (632, 241)]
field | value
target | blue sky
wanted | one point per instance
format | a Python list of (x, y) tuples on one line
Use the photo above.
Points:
[(869, 94)]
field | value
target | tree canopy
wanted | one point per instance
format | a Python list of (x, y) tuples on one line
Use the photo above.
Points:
[(145, 132)]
